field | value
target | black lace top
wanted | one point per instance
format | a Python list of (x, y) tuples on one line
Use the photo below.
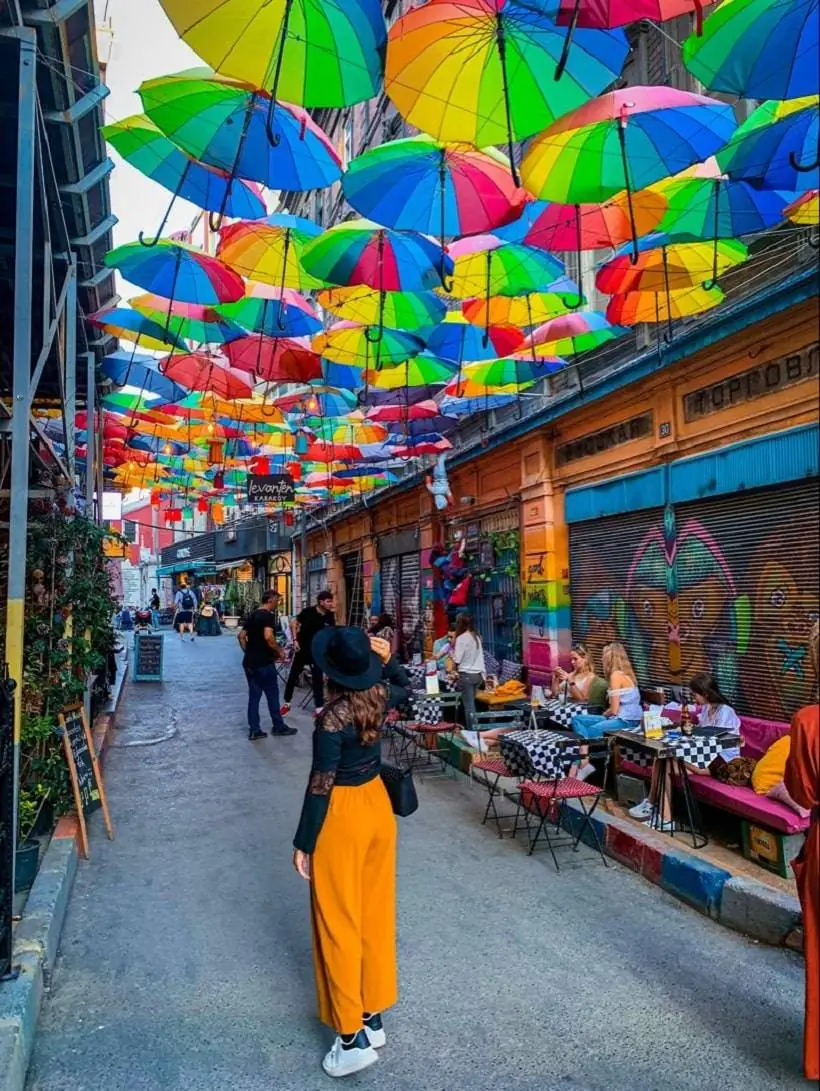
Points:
[(339, 757)]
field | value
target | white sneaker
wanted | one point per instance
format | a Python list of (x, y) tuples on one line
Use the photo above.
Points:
[(375, 1034), (344, 1062), (644, 809)]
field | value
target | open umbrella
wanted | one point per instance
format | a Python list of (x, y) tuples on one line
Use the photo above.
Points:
[(322, 401), (423, 370), (224, 123), (624, 141), (571, 334), (758, 49), (408, 311), (347, 343), (482, 403), (777, 146), (665, 264), (177, 271), (423, 410), (313, 52), (188, 320), (276, 312), (199, 371), (130, 325), (402, 397), (276, 359), (145, 147), (270, 251), (420, 184), (140, 372), (482, 71), (486, 266), (805, 211), (456, 339), (512, 371), (632, 308), (522, 311)]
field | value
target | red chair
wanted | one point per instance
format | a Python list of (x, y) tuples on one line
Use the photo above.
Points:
[(545, 799)]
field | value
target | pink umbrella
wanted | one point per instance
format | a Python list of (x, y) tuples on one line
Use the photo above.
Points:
[(420, 411), (277, 359), (199, 371)]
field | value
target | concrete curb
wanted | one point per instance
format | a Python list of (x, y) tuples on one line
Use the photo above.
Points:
[(36, 940)]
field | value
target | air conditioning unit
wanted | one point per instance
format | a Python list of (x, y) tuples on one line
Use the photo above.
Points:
[(230, 534)]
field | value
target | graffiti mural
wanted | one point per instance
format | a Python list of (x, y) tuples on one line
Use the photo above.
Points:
[(727, 585)]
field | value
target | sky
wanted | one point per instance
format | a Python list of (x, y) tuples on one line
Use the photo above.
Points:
[(144, 45)]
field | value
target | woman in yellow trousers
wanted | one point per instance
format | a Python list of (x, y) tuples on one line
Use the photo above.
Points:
[(346, 846)]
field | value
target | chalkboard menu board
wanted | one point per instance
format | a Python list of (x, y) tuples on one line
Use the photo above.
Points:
[(84, 770), (148, 657)]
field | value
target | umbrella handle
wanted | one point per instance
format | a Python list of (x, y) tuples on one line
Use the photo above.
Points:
[(803, 168), (573, 23), (373, 334), (502, 56), (713, 280), (153, 242), (215, 224), (273, 138), (814, 242)]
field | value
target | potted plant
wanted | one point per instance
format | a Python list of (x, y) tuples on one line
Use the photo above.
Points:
[(232, 603)]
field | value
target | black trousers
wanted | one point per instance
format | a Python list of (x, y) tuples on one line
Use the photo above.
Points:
[(300, 661)]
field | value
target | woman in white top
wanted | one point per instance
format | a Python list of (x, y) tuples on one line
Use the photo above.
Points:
[(468, 656), (624, 712)]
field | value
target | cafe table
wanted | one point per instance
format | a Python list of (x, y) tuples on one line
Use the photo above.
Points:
[(673, 751), (560, 713), (534, 752)]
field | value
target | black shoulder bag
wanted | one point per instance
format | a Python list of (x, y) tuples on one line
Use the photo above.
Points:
[(401, 788)]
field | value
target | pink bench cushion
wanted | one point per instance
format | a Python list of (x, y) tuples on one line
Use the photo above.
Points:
[(748, 804)]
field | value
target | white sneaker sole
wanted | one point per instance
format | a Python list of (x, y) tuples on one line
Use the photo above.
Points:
[(359, 1060), (377, 1038)]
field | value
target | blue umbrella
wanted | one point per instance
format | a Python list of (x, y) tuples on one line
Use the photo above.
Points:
[(466, 407), (344, 376), (140, 371), (776, 147)]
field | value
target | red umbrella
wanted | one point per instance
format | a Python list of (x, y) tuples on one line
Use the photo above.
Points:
[(426, 447), (199, 371), (277, 359), (112, 429), (419, 411), (321, 451)]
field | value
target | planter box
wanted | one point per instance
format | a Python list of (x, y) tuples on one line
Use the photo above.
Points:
[(25, 866), (231, 622)]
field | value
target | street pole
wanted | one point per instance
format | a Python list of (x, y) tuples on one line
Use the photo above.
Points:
[(90, 433), (70, 319), (20, 429)]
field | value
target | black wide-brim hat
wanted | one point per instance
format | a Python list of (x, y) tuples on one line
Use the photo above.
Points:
[(345, 656)]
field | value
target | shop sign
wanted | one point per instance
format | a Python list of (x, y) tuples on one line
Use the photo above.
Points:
[(279, 564), (757, 382), (244, 574), (597, 443), (113, 547), (270, 489)]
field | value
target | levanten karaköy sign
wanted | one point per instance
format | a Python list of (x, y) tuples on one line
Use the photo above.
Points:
[(270, 489)]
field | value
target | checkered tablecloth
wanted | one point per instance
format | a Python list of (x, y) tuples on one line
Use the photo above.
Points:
[(528, 753), (426, 709), (561, 714), (697, 750), (415, 673)]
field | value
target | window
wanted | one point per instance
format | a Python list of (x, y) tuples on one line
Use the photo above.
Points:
[(129, 530)]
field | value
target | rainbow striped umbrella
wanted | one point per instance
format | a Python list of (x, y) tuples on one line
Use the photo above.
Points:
[(524, 311), (632, 308), (177, 271), (483, 71), (571, 334), (665, 264), (398, 310), (548, 225), (805, 211), (275, 312), (468, 406), (199, 371), (487, 266), (270, 250), (347, 343), (130, 325), (456, 339), (776, 147), (423, 370), (189, 320), (512, 371), (276, 359)]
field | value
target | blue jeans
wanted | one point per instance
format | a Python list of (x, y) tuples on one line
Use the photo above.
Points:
[(593, 727), (264, 680), (154, 619)]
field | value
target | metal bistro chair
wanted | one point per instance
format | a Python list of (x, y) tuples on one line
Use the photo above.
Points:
[(494, 768), (544, 800), (418, 734)]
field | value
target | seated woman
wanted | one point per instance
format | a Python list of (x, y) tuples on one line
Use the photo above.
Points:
[(716, 716), (575, 683), (623, 711)]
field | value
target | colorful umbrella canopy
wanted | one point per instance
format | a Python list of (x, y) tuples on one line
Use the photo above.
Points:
[(547, 225), (619, 13), (198, 371), (403, 397), (276, 359), (313, 52), (188, 320), (805, 211), (524, 310), (513, 371), (276, 312), (456, 339), (420, 184), (140, 372), (347, 343), (177, 272), (664, 265), (345, 376), (776, 147), (423, 370), (270, 250), (322, 401), (571, 334), (483, 71), (624, 140), (130, 325), (422, 410), (224, 123), (361, 252), (634, 307), (144, 146), (758, 49), (248, 410), (398, 310), (487, 266), (482, 403)]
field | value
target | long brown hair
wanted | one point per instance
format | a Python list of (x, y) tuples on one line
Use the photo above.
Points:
[(364, 708), (464, 624), (616, 658)]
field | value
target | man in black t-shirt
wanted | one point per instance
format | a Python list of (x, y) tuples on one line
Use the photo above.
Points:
[(311, 621), (257, 638)]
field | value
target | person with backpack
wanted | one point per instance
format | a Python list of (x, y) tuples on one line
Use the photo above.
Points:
[(154, 608), (185, 602)]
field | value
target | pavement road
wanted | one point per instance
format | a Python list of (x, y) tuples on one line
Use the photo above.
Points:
[(185, 959)]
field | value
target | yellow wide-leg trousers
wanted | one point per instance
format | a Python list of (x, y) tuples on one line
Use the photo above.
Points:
[(353, 883)]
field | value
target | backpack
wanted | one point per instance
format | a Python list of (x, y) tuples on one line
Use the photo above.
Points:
[(187, 600)]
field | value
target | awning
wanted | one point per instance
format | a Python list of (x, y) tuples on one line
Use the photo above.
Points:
[(225, 566), (198, 568)]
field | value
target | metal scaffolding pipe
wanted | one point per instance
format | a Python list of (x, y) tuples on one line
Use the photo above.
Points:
[(90, 433), (70, 314)]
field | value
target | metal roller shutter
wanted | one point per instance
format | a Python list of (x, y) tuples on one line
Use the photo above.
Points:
[(317, 581), (409, 620), (618, 589), (354, 589), (390, 583), (746, 576)]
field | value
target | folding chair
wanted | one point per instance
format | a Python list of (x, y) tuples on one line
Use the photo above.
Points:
[(544, 800), (494, 768), (417, 734)]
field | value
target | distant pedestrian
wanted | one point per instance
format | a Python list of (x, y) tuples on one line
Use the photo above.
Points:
[(306, 625), (384, 628), (154, 609), (345, 846), (468, 656), (185, 602), (257, 638)]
